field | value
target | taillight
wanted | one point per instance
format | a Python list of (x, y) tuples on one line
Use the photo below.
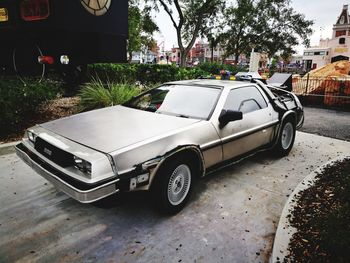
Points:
[(32, 10)]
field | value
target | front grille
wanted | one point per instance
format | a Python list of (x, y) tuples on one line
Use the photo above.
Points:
[(64, 177), (54, 154)]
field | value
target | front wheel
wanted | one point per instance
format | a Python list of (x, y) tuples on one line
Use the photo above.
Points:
[(173, 185), (286, 139)]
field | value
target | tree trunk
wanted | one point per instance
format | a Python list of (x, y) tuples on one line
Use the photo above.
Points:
[(183, 57), (236, 58), (130, 57), (212, 54)]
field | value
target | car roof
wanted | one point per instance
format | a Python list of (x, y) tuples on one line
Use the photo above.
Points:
[(229, 84)]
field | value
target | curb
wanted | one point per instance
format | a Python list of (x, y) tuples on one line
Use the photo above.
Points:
[(8, 148), (284, 231)]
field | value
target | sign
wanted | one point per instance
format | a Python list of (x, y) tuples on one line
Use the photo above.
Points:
[(96, 7), (341, 50), (254, 61), (3, 15)]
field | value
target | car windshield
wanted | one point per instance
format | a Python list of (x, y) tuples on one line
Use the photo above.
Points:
[(178, 100)]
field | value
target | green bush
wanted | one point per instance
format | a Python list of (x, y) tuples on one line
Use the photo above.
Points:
[(211, 68), (130, 73), (190, 73), (150, 73), (98, 95), (108, 72), (18, 102)]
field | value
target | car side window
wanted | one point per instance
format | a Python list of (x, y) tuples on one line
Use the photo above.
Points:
[(249, 106), (245, 99)]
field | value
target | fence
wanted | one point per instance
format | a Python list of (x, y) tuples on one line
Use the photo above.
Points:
[(333, 92)]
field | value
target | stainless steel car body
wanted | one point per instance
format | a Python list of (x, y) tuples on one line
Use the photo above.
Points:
[(128, 145)]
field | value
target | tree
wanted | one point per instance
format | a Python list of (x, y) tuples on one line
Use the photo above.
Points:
[(267, 25), (193, 18), (141, 28), (214, 41)]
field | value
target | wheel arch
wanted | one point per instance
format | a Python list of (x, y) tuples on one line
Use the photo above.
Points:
[(287, 115), (191, 151)]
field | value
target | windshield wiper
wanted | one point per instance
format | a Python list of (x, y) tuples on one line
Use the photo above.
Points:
[(173, 114)]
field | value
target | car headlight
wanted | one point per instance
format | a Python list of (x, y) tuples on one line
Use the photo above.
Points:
[(82, 165), (31, 136)]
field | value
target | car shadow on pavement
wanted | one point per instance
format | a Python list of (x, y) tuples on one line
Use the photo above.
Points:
[(129, 199), (142, 200)]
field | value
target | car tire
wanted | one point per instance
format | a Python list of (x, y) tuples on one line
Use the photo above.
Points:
[(173, 185), (286, 138)]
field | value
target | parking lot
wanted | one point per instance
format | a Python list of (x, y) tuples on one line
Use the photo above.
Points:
[(232, 217), (327, 122)]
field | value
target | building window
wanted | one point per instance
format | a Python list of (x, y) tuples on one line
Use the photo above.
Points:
[(340, 33), (308, 53), (319, 53), (342, 40)]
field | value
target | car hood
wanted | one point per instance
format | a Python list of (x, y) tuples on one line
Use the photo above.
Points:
[(113, 128)]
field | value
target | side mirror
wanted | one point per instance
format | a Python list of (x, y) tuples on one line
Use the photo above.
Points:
[(227, 116)]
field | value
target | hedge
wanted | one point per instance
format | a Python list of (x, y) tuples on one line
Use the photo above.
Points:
[(214, 68), (18, 101), (150, 73)]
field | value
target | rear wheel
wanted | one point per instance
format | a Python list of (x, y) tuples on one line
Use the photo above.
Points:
[(173, 185), (286, 139)]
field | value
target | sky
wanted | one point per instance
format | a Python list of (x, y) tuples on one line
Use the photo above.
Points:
[(324, 13)]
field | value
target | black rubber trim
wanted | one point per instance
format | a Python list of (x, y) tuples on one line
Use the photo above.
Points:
[(232, 161), (238, 137)]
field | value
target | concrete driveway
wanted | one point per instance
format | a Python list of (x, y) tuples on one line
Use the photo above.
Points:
[(232, 217)]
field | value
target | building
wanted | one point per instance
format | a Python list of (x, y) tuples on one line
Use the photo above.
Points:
[(144, 57), (201, 52), (331, 50)]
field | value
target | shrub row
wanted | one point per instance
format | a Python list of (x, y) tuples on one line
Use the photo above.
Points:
[(18, 101), (149, 73), (214, 68)]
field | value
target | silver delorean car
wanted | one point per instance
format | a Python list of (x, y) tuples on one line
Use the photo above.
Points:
[(162, 140)]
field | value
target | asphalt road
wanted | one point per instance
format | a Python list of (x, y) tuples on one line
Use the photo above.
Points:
[(232, 217), (330, 123)]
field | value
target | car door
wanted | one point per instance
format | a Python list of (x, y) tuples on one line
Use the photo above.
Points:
[(256, 127)]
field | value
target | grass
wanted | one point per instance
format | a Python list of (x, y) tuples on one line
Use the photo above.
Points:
[(97, 94)]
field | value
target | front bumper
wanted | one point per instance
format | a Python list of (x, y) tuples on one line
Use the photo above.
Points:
[(82, 192)]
